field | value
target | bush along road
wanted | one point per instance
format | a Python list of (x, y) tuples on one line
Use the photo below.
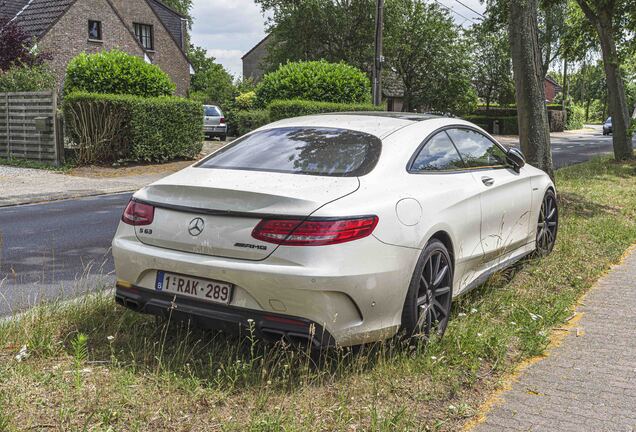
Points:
[(92, 365)]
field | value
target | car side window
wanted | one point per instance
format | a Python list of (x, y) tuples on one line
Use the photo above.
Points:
[(438, 154), (477, 150)]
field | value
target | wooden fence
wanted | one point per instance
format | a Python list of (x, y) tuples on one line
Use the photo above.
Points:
[(29, 128)]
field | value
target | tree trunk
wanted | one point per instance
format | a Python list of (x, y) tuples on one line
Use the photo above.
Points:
[(617, 101), (534, 134), (564, 102), (602, 19)]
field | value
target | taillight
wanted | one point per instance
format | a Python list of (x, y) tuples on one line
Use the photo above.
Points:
[(316, 232), (222, 120), (137, 213)]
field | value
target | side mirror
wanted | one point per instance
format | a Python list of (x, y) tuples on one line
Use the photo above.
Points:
[(516, 158)]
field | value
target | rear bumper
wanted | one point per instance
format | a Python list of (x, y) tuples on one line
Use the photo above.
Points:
[(267, 326), (355, 291), (215, 130)]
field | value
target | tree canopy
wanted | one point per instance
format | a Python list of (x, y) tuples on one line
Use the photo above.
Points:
[(211, 82), (491, 64), (329, 30), (423, 46), (16, 47)]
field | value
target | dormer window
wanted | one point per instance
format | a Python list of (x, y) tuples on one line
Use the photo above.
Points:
[(94, 30), (145, 35)]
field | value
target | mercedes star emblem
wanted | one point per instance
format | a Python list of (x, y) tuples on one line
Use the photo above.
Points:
[(196, 227)]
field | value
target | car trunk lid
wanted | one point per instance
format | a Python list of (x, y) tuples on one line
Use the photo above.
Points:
[(213, 211)]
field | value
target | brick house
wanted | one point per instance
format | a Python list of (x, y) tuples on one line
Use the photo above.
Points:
[(552, 88), (144, 28)]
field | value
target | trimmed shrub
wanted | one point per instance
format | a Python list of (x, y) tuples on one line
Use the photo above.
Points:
[(108, 128), (507, 125), (115, 72), (316, 81), (496, 112), (556, 120), (27, 79), (248, 120), (245, 101), (283, 109), (576, 117)]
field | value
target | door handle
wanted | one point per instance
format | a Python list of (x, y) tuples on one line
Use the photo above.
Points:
[(488, 181)]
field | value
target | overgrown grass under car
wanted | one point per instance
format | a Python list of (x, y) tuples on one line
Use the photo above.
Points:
[(91, 365)]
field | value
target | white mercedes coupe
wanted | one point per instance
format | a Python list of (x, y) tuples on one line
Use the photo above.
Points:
[(335, 229)]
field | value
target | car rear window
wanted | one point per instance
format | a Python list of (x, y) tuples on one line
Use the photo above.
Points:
[(301, 150), (211, 111)]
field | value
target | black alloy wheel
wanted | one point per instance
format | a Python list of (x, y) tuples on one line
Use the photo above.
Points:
[(548, 224), (428, 302)]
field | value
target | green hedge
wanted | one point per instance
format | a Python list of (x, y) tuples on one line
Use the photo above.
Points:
[(283, 109), (496, 112), (116, 72), (247, 121), (316, 81), (27, 79), (507, 125), (556, 120), (107, 128), (576, 117)]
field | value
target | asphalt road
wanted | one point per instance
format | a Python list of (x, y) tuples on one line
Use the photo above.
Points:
[(569, 149), (62, 249), (58, 249)]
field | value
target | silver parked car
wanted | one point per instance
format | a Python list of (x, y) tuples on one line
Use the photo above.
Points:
[(214, 122), (607, 126)]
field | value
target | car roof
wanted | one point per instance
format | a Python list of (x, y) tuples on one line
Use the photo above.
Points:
[(380, 124)]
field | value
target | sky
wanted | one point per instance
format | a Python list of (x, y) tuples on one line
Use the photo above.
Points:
[(230, 28)]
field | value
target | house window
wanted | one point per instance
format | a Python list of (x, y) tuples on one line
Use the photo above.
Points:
[(95, 30), (145, 36)]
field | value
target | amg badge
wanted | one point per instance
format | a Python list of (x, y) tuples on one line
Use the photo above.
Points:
[(250, 246)]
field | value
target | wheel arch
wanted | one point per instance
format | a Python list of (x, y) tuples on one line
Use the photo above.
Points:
[(447, 241)]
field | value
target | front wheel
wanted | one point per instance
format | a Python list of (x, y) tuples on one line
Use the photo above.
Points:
[(428, 301), (548, 224)]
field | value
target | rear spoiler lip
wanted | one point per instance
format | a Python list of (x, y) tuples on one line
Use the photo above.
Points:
[(241, 214)]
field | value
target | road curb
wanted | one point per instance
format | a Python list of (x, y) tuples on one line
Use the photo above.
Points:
[(63, 197)]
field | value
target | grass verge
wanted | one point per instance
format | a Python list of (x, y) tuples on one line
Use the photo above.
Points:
[(23, 163), (90, 365)]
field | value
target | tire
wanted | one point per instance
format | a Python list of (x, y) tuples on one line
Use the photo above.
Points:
[(547, 225), (428, 304), (223, 137)]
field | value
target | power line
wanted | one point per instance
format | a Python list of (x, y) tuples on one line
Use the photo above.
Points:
[(470, 9), (454, 11)]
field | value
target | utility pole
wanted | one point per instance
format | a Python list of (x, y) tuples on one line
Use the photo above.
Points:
[(379, 59)]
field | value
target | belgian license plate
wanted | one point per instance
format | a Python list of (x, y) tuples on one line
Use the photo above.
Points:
[(203, 289)]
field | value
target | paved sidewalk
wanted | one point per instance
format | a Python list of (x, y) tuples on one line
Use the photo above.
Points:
[(588, 382)]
